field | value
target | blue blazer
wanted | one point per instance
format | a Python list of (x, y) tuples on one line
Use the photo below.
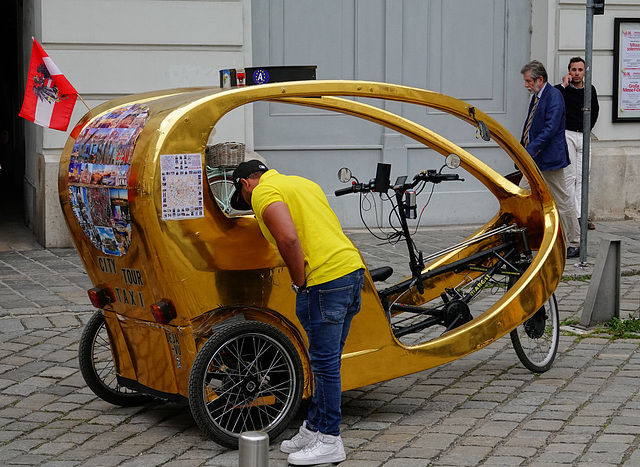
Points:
[(547, 143)]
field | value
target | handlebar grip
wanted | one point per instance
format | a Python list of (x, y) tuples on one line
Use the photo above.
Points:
[(345, 191), (449, 177)]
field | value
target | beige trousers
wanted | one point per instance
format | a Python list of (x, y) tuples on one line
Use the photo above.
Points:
[(573, 172), (557, 184)]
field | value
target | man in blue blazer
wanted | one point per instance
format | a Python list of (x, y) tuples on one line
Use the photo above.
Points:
[(543, 138)]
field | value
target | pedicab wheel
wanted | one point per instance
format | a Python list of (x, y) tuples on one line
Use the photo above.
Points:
[(98, 369), (247, 377), (536, 340)]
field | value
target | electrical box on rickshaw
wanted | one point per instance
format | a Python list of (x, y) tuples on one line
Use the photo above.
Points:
[(194, 305)]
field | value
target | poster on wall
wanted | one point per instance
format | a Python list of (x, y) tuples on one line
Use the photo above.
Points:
[(626, 70)]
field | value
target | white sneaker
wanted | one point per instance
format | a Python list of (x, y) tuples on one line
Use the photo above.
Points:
[(324, 449), (300, 440)]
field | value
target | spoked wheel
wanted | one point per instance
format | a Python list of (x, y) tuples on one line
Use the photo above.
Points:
[(247, 377), (98, 369), (536, 340)]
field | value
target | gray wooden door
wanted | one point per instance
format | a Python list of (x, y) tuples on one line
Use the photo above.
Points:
[(469, 49)]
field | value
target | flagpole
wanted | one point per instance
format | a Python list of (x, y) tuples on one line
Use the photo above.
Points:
[(85, 104)]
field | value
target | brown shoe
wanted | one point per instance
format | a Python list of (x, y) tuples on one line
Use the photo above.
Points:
[(590, 225)]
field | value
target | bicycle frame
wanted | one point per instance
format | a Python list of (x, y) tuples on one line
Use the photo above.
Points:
[(509, 258)]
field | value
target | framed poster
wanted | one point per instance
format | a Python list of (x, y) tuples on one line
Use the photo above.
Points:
[(626, 70)]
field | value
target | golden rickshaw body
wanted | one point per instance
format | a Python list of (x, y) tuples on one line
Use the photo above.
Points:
[(171, 268)]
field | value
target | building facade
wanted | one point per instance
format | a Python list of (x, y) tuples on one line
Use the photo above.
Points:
[(470, 49)]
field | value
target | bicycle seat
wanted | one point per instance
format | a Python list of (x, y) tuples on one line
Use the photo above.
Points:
[(381, 274)]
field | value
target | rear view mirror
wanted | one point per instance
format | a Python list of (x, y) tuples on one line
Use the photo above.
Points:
[(452, 161), (344, 174)]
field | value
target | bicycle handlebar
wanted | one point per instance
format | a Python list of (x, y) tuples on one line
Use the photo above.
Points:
[(405, 207), (430, 176), (434, 177), (354, 188)]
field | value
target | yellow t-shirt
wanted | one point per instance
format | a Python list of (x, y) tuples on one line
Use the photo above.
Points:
[(328, 253)]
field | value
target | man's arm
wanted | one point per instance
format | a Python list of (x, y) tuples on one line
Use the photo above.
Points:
[(553, 118), (278, 220), (595, 107)]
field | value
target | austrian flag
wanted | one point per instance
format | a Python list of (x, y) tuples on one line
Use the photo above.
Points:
[(49, 98)]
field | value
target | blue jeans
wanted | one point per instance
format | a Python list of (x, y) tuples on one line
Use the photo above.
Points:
[(325, 312)]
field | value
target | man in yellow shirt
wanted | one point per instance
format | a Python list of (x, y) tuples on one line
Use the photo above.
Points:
[(327, 274)]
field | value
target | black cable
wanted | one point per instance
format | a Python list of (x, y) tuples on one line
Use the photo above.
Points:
[(433, 187), (364, 222), (423, 209)]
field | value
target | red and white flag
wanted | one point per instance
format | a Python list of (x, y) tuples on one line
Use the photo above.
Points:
[(49, 98)]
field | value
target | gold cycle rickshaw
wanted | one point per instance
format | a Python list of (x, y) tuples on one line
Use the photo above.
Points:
[(195, 305)]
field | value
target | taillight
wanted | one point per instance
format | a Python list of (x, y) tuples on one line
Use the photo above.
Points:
[(163, 311), (100, 296)]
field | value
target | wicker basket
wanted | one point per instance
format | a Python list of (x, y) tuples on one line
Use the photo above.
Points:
[(224, 154)]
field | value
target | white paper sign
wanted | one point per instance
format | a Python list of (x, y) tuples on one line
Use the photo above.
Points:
[(181, 181)]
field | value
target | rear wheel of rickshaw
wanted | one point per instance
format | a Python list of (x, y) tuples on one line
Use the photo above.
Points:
[(98, 369), (536, 340), (247, 377)]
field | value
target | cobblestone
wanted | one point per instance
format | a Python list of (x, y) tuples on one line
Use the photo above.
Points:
[(482, 409)]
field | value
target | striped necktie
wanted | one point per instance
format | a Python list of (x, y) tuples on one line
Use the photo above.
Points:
[(525, 137)]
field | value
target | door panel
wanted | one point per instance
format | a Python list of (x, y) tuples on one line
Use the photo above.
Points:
[(469, 49)]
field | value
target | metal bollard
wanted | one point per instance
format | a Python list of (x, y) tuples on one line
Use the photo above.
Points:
[(253, 449)]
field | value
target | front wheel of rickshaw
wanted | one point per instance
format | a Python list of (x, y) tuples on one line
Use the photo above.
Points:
[(98, 369), (536, 340), (247, 377)]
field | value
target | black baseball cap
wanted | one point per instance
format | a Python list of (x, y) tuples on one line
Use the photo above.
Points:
[(243, 171)]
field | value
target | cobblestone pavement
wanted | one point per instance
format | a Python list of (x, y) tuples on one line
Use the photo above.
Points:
[(482, 409)]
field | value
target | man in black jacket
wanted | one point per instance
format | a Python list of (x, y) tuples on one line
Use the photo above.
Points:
[(572, 89)]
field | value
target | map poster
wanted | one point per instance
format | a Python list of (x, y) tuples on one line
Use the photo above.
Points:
[(181, 183), (626, 70)]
